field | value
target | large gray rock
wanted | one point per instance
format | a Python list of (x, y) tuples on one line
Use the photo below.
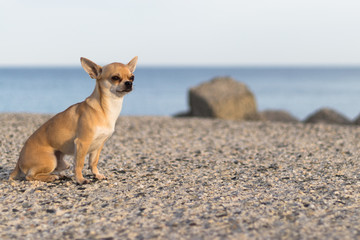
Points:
[(278, 116), (224, 98), (326, 115)]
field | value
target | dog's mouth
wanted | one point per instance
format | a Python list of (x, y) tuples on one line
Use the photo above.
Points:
[(122, 91)]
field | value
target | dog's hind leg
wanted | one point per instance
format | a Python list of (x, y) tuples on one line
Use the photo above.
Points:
[(44, 177), (45, 165)]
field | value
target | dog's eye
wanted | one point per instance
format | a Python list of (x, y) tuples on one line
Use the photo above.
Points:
[(132, 78), (115, 78)]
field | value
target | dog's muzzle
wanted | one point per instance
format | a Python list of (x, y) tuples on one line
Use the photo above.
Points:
[(128, 85)]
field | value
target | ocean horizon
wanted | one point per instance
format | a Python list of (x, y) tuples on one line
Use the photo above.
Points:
[(163, 91)]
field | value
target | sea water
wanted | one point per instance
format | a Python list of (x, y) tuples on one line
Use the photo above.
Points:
[(164, 90)]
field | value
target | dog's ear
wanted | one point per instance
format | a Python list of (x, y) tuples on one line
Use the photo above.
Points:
[(132, 64), (91, 68)]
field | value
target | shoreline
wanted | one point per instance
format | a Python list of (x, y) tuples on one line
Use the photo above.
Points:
[(192, 178)]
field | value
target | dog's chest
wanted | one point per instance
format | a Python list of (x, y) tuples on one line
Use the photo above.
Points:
[(100, 136)]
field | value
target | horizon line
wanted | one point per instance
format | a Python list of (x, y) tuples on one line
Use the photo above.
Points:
[(195, 66)]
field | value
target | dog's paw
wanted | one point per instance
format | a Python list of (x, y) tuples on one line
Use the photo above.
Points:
[(82, 181), (55, 177), (100, 176)]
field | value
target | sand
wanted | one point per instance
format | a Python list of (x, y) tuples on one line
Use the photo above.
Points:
[(190, 178)]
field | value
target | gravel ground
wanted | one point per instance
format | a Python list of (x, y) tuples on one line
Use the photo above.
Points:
[(190, 178)]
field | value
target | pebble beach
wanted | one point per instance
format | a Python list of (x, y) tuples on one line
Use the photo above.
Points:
[(192, 178)]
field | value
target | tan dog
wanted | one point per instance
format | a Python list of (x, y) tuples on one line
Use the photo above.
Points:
[(81, 129)]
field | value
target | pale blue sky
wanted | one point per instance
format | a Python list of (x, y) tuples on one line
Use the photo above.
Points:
[(187, 32)]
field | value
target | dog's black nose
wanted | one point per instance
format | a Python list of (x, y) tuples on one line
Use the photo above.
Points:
[(128, 84)]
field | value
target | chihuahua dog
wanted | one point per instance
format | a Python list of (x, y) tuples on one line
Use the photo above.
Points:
[(80, 130)]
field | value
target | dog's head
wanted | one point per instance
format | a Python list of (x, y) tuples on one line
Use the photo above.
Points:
[(116, 78)]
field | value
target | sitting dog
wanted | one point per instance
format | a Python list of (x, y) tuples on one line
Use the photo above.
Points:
[(80, 130)]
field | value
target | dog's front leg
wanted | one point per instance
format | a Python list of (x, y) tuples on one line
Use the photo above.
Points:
[(93, 161), (82, 148)]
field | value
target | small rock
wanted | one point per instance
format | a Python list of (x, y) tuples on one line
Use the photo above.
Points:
[(326, 115), (357, 120), (221, 213), (277, 116), (50, 210)]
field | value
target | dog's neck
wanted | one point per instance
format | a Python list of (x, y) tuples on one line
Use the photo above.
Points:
[(109, 104)]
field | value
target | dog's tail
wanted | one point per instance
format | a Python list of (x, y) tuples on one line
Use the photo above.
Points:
[(15, 173)]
